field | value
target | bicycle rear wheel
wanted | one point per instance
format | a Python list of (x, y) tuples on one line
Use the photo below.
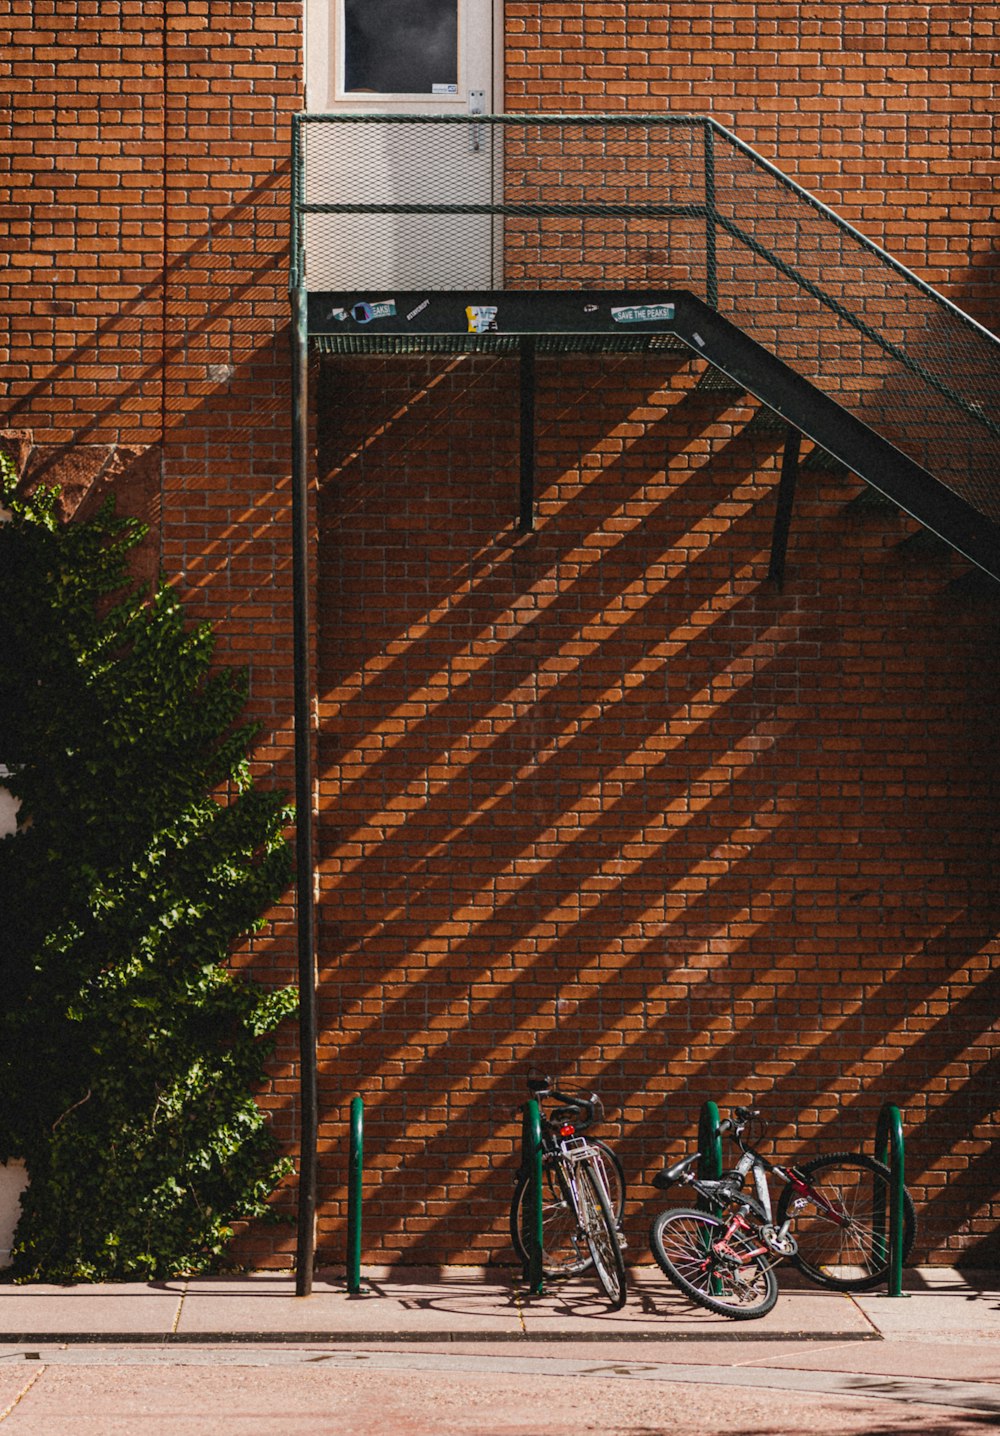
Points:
[(563, 1251), (682, 1243), (846, 1248), (598, 1224)]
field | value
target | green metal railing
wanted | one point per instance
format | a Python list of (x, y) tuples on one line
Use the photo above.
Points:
[(638, 201)]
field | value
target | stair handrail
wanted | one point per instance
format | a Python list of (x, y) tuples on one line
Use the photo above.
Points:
[(831, 214)]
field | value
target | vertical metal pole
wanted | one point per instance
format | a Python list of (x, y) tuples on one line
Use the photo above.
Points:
[(526, 517), (889, 1150), (709, 1143), (306, 1247), (710, 1165), (531, 1162), (356, 1162), (711, 257), (783, 513)]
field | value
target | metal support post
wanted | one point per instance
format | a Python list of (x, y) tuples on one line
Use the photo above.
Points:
[(711, 263), (526, 517), (306, 1246), (783, 512)]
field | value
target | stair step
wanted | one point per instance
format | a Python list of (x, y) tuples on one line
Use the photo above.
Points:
[(714, 381), (975, 586), (766, 421), (819, 461), (870, 501), (923, 546)]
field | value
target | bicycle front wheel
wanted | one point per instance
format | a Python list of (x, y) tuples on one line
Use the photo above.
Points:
[(843, 1230), (682, 1243), (597, 1222)]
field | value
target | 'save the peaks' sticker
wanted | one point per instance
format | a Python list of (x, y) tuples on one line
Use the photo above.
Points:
[(368, 310), (642, 313)]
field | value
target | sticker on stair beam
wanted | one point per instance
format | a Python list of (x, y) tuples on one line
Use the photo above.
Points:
[(642, 313), (698, 340), (419, 309), (482, 318), (367, 310), (339, 314)]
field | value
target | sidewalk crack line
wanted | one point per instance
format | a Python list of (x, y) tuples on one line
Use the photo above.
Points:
[(21, 1394)]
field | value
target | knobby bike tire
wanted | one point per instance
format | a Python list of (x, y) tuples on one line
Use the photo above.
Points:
[(563, 1253), (598, 1223), (851, 1254), (681, 1241)]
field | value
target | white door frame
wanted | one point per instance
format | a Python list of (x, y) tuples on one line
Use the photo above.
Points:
[(479, 20)]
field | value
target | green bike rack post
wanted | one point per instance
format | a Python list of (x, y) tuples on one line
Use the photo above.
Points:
[(710, 1165), (889, 1151), (709, 1143), (355, 1168), (531, 1162)]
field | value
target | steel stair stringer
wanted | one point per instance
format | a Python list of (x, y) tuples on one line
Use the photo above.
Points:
[(828, 424)]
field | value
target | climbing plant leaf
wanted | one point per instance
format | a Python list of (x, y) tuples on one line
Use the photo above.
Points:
[(130, 1049)]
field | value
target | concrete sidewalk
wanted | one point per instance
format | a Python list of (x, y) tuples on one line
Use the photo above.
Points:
[(463, 1304), (469, 1352)]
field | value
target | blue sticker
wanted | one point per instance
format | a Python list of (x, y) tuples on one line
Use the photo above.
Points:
[(365, 311)]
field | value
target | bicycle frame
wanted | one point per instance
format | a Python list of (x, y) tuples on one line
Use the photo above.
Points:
[(573, 1151), (723, 1192)]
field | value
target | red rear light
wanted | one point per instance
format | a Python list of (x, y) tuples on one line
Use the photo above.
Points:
[(567, 1129)]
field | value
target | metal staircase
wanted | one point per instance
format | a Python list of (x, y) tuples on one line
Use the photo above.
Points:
[(565, 220)]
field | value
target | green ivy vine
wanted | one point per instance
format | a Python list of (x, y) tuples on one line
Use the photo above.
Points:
[(129, 1049)]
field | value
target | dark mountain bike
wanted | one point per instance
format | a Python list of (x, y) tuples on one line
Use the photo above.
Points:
[(583, 1194), (832, 1221)]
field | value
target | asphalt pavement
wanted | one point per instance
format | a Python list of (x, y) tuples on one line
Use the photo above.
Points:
[(471, 1351)]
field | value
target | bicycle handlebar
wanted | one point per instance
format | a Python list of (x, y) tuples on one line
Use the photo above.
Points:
[(586, 1110), (734, 1126)]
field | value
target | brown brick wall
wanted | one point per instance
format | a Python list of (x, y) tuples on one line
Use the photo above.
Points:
[(887, 112), (598, 799), (147, 314)]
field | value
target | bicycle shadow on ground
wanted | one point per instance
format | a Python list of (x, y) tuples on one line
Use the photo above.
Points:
[(469, 1296)]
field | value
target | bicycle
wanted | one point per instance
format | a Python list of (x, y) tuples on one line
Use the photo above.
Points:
[(583, 1195), (723, 1256)]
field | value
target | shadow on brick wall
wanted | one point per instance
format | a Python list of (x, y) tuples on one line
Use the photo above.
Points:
[(598, 801)]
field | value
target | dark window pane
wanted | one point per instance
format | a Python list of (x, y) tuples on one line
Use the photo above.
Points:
[(394, 47)]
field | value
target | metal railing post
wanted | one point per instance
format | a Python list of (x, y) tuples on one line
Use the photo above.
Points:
[(711, 258), (889, 1151), (304, 864), (355, 1169), (531, 1162)]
